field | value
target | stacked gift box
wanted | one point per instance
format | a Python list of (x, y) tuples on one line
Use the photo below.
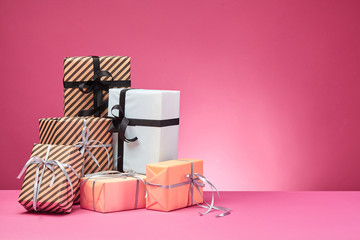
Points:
[(115, 148)]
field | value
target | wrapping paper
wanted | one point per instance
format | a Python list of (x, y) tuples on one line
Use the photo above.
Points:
[(154, 144), (169, 173), (68, 131), (112, 194), (81, 70), (56, 198)]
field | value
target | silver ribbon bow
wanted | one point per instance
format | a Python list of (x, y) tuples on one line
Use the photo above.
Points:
[(112, 175), (86, 145), (198, 180), (50, 165)]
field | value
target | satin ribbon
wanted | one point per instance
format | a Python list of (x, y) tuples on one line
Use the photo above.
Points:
[(119, 124), (50, 165), (96, 86), (87, 144), (112, 175), (198, 180)]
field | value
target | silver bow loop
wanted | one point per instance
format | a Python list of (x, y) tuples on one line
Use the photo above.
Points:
[(34, 160), (86, 145), (196, 181), (85, 137)]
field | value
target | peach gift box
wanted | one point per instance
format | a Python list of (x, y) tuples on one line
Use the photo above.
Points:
[(112, 194), (168, 188)]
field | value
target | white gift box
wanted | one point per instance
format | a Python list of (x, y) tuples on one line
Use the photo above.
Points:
[(153, 118)]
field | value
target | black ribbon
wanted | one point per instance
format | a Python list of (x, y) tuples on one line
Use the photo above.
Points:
[(120, 123), (153, 123), (96, 86)]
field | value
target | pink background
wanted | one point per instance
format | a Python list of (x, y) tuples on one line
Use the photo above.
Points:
[(269, 89)]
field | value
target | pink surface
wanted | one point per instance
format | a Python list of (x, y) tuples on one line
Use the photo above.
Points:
[(255, 215), (269, 89)]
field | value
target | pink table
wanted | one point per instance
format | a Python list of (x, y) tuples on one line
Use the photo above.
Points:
[(255, 215)]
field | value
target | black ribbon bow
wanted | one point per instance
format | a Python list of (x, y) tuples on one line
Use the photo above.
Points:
[(119, 124), (96, 86)]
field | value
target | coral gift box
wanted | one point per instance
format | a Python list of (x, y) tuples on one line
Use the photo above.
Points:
[(168, 185), (112, 193)]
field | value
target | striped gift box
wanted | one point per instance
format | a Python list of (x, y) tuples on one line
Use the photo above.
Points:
[(87, 80), (56, 197), (68, 131)]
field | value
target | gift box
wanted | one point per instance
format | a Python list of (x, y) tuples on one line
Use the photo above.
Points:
[(109, 192), (146, 127), (171, 185), (52, 175), (90, 135), (70, 131), (87, 80)]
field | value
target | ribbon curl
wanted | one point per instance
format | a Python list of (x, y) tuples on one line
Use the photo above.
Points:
[(198, 181), (111, 175), (86, 145), (119, 124), (50, 165)]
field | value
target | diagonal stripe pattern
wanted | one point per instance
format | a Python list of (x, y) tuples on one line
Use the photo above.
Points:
[(57, 197), (81, 69), (68, 130)]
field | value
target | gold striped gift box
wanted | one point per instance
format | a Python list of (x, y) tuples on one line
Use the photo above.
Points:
[(69, 131), (87, 80), (56, 197)]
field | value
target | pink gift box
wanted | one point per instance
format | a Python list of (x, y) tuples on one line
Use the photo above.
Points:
[(112, 193)]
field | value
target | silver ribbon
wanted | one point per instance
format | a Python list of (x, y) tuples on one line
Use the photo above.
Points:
[(50, 165), (86, 145), (112, 175), (198, 180)]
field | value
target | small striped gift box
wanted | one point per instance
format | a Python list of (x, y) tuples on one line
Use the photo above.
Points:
[(87, 80), (71, 131), (52, 175)]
